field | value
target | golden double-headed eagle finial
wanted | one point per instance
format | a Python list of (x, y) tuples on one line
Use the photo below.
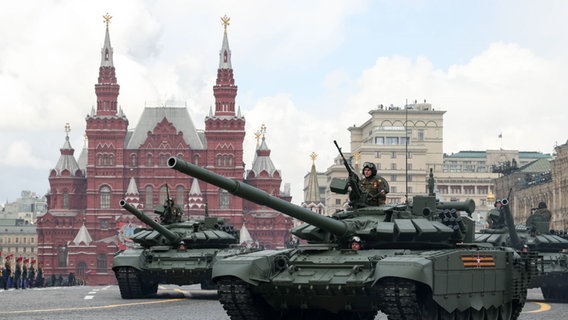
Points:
[(225, 20), (107, 18), (313, 156)]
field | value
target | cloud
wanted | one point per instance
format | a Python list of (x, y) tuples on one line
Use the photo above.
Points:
[(20, 154)]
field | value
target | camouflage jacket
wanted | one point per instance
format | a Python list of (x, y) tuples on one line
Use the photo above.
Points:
[(371, 189)]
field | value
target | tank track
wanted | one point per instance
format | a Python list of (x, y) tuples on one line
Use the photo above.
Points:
[(131, 284), (240, 303), (403, 299)]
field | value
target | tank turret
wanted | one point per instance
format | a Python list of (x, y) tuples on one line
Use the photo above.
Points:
[(368, 258), (171, 236)]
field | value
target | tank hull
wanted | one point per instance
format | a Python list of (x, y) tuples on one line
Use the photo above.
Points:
[(139, 268), (344, 283), (553, 276)]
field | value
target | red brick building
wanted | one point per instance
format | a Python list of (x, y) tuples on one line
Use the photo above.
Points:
[(80, 231)]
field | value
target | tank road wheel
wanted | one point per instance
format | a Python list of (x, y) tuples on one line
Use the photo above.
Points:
[(239, 301), (131, 284), (492, 313), (463, 315), (478, 314), (517, 307), (506, 311)]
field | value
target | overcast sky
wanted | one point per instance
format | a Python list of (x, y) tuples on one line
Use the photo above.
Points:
[(306, 69)]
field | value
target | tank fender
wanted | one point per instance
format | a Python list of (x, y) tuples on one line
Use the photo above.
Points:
[(129, 258), (252, 267), (408, 267)]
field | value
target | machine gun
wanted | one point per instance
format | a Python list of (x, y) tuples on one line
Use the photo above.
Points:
[(355, 196)]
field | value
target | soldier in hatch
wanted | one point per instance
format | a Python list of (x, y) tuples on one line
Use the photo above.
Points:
[(374, 189)]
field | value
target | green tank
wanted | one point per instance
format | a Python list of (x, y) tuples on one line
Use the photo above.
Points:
[(534, 236), (172, 251), (411, 266)]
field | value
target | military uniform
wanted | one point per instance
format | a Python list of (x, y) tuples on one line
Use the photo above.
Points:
[(39, 278), (18, 274), (545, 213), (25, 274), (374, 190), (7, 275), (31, 274)]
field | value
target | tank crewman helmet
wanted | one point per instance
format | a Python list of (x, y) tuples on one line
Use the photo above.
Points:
[(542, 205), (356, 239), (497, 202), (371, 166)]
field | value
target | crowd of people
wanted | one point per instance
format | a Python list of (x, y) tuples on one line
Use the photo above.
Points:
[(21, 273)]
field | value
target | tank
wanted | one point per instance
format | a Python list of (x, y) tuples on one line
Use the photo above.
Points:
[(412, 265), (172, 251), (534, 236)]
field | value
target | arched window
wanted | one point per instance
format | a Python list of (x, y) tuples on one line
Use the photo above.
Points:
[(81, 269), (111, 160), (101, 263), (219, 159), (133, 160), (99, 159), (163, 194), (180, 195), (149, 160), (224, 199), (149, 200), (105, 197), (65, 200), (62, 256)]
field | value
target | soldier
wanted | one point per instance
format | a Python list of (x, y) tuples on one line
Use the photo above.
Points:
[(356, 243), (374, 188), (543, 211), (495, 218), (31, 274), (7, 272), (25, 273), (18, 274), (39, 278)]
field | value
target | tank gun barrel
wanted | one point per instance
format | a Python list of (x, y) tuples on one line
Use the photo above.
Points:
[(506, 210), (467, 206), (153, 224), (258, 196)]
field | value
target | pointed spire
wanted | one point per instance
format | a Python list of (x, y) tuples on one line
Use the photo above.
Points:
[(84, 156), (225, 53), (132, 195), (67, 160), (245, 237), (312, 192), (195, 199), (106, 51), (225, 89), (107, 88), (262, 161), (83, 236)]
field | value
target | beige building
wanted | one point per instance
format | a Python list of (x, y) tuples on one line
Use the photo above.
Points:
[(18, 238)]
